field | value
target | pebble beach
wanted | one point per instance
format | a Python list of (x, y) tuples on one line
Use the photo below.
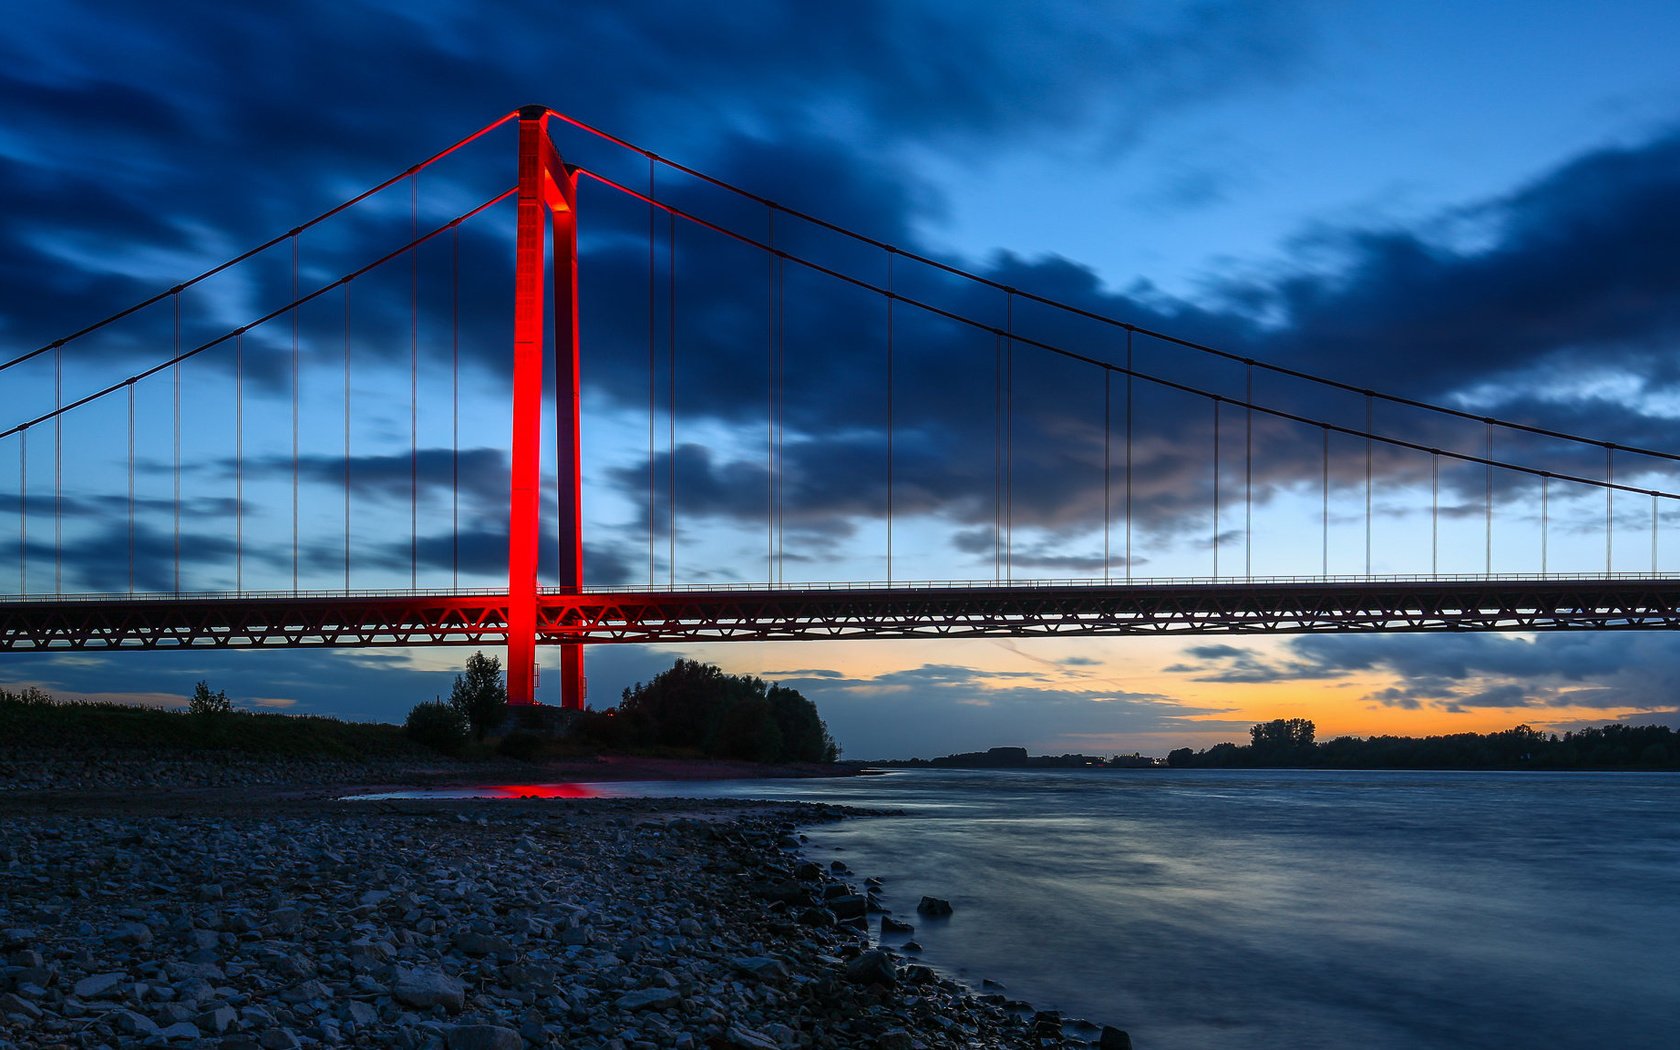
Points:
[(268, 912)]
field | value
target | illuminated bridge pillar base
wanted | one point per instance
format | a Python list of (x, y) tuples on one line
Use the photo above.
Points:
[(547, 195)]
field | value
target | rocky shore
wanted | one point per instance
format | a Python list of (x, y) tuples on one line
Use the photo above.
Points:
[(265, 919)]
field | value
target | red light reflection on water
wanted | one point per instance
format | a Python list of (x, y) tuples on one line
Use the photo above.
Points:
[(540, 791)]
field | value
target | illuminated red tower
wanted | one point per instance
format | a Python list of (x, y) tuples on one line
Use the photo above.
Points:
[(547, 196)]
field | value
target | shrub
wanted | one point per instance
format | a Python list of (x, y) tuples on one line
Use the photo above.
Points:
[(206, 703), (29, 696), (438, 726), (479, 695), (521, 744)]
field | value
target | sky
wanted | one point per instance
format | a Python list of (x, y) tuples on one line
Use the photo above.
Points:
[(1460, 204)]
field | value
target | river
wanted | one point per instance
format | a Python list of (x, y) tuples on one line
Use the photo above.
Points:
[(1212, 910)]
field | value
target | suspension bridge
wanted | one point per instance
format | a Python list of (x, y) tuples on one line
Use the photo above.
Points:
[(255, 457)]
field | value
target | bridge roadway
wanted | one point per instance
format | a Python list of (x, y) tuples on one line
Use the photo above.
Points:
[(1042, 608)]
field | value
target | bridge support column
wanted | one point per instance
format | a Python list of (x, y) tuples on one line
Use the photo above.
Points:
[(547, 195)]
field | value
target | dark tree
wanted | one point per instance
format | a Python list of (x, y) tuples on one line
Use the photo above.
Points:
[(747, 731), (1283, 734), (696, 707), (438, 726), (479, 695), (206, 703), (804, 736), (1180, 757)]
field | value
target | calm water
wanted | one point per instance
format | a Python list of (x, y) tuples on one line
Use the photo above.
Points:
[(1229, 909)]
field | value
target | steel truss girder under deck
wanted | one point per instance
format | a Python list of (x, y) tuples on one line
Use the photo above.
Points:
[(234, 621)]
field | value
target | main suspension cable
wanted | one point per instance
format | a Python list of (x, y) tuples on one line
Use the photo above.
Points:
[(259, 249), (1082, 313), (264, 319), (1161, 381)]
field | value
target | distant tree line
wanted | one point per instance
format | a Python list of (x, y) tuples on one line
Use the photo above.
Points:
[(1289, 742), (1018, 758), (696, 708)]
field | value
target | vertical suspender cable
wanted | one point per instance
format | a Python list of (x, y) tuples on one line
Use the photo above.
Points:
[(1216, 400), (1435, 514), (414, 384), (781, 409), (770, 403), (1108, 397), (1009, 445), (58, 473), (239, 462), (131, 487), (296, 391), (1487, 504), (1248, 469), (23, 511), (1653, 533), (1128, 455), (1609, 503), (347, 436), (671, 400), (890, 298), (1369, 448), (175, 378), (652, 213), (455, 409), (997, 457), (1324, 510), (1545, 518)]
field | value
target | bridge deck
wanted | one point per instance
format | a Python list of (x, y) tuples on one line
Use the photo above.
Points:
[(1230, 607)]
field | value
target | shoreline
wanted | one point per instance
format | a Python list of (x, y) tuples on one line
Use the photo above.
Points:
[(278, 916)]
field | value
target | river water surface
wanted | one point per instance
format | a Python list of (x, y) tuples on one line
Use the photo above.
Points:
[(1226, 909)]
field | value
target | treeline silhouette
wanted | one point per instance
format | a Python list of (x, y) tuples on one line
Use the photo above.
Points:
[(696, 707), (1290, 743)]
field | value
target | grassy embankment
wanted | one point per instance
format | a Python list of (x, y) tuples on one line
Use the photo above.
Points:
[(32, 719)]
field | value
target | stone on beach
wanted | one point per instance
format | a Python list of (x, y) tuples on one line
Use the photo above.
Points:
[(540, 924), (934, 907), (646, 998), (872, 967), (482, 1037), (428, 988)]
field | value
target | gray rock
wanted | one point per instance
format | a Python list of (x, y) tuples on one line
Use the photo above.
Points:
[(135, 933), (11, 1004), (761, 966), (849, 906), (872, 967), (130, 1023), (482, 1037), (1113, 1038), (363, 1014), (473, 943), (428, 988), (821, 918), (279, 1039), (744, 1038), (647, 998), (217, 1020), (892, 925), (100, 984), (934, 907), (181, 1030)]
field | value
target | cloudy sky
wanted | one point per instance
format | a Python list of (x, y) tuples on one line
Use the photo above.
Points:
[(1446, 203)]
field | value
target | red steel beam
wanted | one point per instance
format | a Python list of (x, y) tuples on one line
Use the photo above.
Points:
[(546, 197), (237, 621)]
